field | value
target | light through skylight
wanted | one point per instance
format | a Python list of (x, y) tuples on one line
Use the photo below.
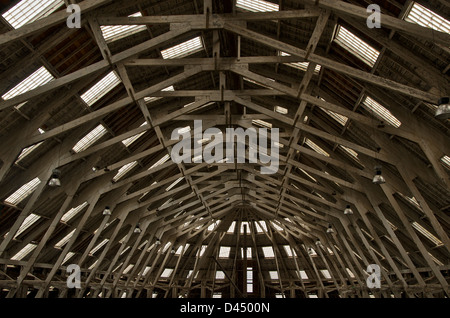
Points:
[(72, 212), (356, 46), (29, 221), (381, 112), (315, 147), (427, 18), (103, 87), (27, 11), (88, 140), (301, 65), (446, 161), (129, 141), (24, 252), (124, 170), (26, 151), (23, 192), (116, 32), (183, 49), (38, 78), (257, 5)]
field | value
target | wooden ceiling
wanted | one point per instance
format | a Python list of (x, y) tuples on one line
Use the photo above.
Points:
[(401, 225)]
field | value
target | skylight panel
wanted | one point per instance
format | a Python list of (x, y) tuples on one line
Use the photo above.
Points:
[(341, 119), (201, 250), (273, 275), (220, 275), (129, 141), (316, 148), (103, 87), (350, 152), (350, 273), (325, 273), (166, 273), (290, 252), (224, 252), (303, 275), (212, 226), (72, 212), (113, 33), (446, 161), (64, 240), (281, 110), (99, 246), (268, 251), (356, 46), (24, 252), (174, 183), (231, 228), (23, 192), (146, 270), (262, 123), (67, 257), (27, 11), (153, 99), (249, 252), (128, 268), (427, 18), (301, 65), (124, 170), (91, 138), (160, 162), (27, 151), (257, 5), (29, 221), (242, 227), (381, 112), (183, 49), (426, 233), (38, 78)]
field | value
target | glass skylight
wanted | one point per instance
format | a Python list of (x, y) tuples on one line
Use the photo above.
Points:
[(356, 46), (183, 49), (268, 251), (29, 221), (427, 18), (341, 119), (38, 78), (88, 140), (24, 252), (27, 11), (166, 273), (426, 233), (67, 257), (224, 252), (325, 273), (260, 227), (446, 161), (153, 99), (220, 275), (26, 151), (72, 212), (262, 123), (103, 87), (231, 228), (381, 112), (128, 268), (242, 227), (303, 275), (315, 147), (116, 32), (249, 252), (129, 141), (281, 110), (174, 183), (301, 65), (23, 192), (257, 5), (99, 246), (124, 170), (64, 240), (160, 162), (273, 275), (350, 152), (289, 252)]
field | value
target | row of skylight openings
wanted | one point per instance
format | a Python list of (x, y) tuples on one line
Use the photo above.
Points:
[(27, 11), (260, 227), (356, 46), (113, 33), (301, 65), (427, 18), (38, 78)]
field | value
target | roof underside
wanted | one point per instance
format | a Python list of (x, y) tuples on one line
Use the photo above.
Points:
[(100, 104)]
